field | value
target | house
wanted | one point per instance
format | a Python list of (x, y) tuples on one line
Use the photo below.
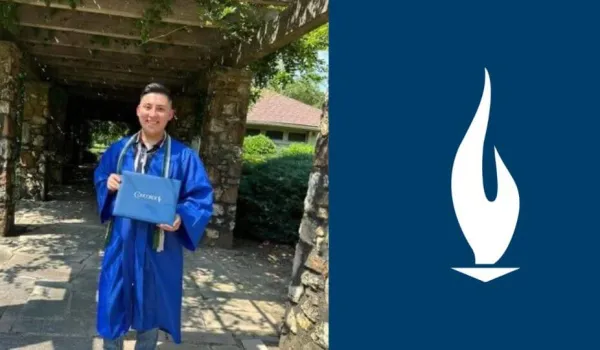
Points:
[(283, 119)]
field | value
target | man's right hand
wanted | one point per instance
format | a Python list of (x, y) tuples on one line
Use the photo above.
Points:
[(114, 182)]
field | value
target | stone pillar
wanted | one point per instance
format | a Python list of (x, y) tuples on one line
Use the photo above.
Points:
[(84, 141), (223, 125), (57, 135), (33, 166), (10, 61), (306, 323), (77, 142), (70, 143), (183, 127)]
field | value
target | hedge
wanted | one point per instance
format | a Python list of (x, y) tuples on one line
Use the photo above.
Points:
[(272, 190)]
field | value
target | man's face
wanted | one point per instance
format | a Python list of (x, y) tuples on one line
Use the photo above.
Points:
[(154, 112)]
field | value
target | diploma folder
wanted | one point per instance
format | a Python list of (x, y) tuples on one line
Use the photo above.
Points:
[(147, 198)]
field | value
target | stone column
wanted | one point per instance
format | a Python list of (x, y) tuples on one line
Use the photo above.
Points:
[(84, 141), (223, 125), (306, 323), (183, 127), (57, 135), (10, 60), (33, 166)]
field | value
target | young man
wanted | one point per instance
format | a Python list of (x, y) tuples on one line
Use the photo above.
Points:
[(141, 281)]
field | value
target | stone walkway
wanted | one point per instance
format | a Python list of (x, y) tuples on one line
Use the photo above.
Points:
[(48, 274)]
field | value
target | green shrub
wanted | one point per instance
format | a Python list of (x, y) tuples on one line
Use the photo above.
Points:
[(298, 149), (271, 195), (259, 145)]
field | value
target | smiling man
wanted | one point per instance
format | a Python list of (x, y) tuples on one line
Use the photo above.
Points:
[(140, 285)]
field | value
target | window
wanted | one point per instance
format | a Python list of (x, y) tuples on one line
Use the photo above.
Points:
[(297, 137), (275, 135), (252, 132)]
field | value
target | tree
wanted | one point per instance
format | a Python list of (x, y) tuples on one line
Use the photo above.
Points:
[(297, 65), (306, 322), (304, 88)]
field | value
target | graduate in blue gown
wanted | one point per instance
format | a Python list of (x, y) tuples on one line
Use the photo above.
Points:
[(141, 280)]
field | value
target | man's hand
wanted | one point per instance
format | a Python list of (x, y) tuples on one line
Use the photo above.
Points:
[(114, 182), (174, 227)]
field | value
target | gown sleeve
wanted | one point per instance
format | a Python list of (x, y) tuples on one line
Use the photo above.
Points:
[(195, 205), (106, 166)]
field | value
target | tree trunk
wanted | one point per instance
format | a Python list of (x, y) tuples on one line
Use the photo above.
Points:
[(306, 322)]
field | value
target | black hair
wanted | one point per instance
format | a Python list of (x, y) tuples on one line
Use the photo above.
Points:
[(156, 88)]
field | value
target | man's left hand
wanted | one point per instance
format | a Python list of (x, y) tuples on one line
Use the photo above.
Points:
[(174, 227)]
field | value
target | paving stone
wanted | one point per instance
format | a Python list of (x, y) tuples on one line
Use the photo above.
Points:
[(66, 328), (253, 344), (267, 340), (129, 344), (47, 302), (83, 305), (238, 322), (48, 287), (8, 319), (39, 267), (29, 342), (5, 254), (225, 304), (172, 346), (199, 337)]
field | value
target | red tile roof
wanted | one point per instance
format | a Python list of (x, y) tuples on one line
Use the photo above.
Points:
[(275, 109)]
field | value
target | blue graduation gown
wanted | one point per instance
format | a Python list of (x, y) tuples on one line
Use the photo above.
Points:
[(138, 287)]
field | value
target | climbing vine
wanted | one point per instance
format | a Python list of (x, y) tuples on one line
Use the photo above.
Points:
[(152, 17), (239, 20)]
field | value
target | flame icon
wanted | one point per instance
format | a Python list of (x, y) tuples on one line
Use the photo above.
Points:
[(487, 226)]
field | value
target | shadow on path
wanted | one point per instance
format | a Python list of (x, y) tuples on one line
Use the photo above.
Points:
[(48, 280)]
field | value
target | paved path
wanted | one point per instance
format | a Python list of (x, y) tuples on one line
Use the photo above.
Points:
[(48, 286)]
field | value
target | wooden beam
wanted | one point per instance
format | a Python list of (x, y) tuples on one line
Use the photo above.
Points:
[(91, 83), (185, 12), (298, 19), (110, 67), (102, 93), (115, 76), (77, 80), (130, 94), (80, 84), (114, 57), (117, 81), (73, 39), (113, 26)]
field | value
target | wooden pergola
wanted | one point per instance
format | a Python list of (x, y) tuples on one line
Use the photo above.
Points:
[(96, 48), (98, 42)]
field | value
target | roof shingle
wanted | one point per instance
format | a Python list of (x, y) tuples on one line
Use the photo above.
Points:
[(274, 108)]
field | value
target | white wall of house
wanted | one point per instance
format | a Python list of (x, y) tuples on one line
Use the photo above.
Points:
[(283, 136)]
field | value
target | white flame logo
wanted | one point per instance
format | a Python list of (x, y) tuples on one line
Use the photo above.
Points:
[(487, 226)]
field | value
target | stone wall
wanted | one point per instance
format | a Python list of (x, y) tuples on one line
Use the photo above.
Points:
[(35, 126), (183, 127), (306, 323), (57, 135), (10, 61), (223, 125)]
